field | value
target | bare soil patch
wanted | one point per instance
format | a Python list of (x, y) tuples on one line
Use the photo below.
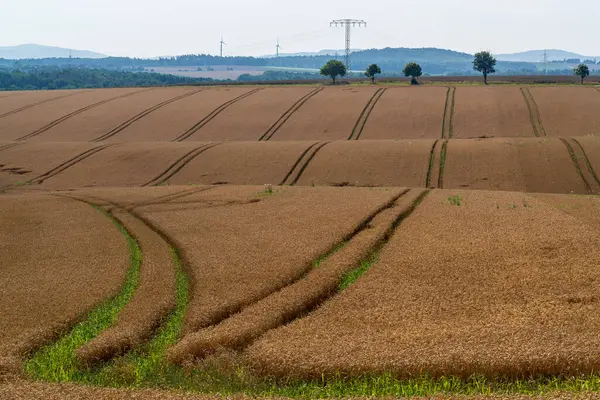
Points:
[(401, 163), (59, 258), (407, 113), (97, 121), (23, 123), (490, 112), (251, 117), (172, 120), (242, 163), (459, 289), (568, 111), (329, 115), (528, 165)]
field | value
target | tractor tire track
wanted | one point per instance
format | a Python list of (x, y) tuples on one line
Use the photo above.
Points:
[(365, 114), (298, 169), (9, 146), (296, 163), (68, 164), (430, 169), (587, 161), (187, 134), (179, 164), (305, 294), (74, 113), (168, 198), (288, 114), (141, 115), (534, 113), (442, 164), (448, 119), (581, 171), (37, 104)]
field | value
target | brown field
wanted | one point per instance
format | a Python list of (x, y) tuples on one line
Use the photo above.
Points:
[(125, 164), (526, 165), (490, 112), (251, 117), (451, 296), (27, 161), (571, 111), (370, 163), (202, 225), (169, 122), (407, 113), (30, 99), (329, 115), (36, 119), (242, 163), (59, 258), (101, 120)]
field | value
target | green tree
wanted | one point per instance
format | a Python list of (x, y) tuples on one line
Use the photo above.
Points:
[(333, 69), (582, 71), (484, 62), (414, 71), (371, 71)]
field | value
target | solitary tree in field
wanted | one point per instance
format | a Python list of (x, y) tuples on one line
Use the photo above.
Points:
[(484, 62), (333, 69), (582, 71), (372, 71), (414, 71)]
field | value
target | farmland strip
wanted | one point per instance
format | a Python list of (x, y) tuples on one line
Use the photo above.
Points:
[(74, 113), (37, 104), (187, 134), (152, 302), (364, 115), (442, 164), (141, 115), (587, 161), (531, 113), (304, 295), (58, 362), (431, 164), (309, 158), (68, 164), (575, 160), (283, 119), (179, 164)]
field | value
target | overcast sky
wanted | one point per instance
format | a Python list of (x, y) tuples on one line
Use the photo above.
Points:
[(146, 28)]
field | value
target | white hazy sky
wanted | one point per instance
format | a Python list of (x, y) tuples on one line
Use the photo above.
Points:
[(146, 28)]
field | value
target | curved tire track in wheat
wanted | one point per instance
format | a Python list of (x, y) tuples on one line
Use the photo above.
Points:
[(365, 114), (37, 104)]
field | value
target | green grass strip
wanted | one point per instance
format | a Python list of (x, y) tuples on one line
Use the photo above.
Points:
[(442, 164), (57, 362), (451, 127), (147, 363), (352, 276)]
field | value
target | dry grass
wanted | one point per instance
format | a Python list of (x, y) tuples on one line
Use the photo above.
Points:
[(490, 112), (152, 301), (407, 113), (503, 285), (59, 259)]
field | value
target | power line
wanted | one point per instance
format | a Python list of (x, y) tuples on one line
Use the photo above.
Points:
[(348, 24)]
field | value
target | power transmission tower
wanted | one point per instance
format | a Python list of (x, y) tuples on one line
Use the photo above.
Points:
[(222, 43), (348, 24), (545, 62)]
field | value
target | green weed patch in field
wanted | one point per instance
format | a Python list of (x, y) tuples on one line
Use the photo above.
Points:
[(455, 200)]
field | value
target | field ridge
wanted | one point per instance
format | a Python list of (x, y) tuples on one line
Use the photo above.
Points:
[(142, 114), (359, 127), (74, 113), (213, 114), (288, 114), (179, 164), (6, 114)]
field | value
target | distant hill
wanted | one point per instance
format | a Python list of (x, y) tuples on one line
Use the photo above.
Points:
[(537, 56), (37, 51), (326, 52)]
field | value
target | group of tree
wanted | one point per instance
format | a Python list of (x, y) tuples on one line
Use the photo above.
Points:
[(48, 78), (335, 68)]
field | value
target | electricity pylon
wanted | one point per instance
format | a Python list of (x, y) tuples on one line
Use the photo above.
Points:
[(348, 24)]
